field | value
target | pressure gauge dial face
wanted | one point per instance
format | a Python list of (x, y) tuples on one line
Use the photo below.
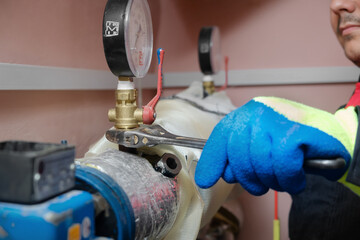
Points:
[(139, 37), (209, 50), (128, 37)]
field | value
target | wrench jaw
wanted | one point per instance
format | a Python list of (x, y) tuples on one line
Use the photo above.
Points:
[(124, 138), (130, 140), (149, 136)]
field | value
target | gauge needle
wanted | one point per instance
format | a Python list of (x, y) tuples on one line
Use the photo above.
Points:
[(137, 35)]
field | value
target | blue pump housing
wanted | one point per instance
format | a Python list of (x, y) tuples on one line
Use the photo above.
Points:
[(72, 215), (68, 216), (120, 224)]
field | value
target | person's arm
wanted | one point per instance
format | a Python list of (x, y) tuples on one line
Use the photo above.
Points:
[(264, 143)]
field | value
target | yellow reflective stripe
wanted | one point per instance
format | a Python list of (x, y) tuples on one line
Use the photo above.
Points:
[(312, 117), (349, 121), (276, 230), (352, 187)]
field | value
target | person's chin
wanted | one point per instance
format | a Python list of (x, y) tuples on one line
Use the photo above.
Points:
[(352, 48)]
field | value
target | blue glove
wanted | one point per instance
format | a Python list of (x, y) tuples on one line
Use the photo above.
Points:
[(263, 145)]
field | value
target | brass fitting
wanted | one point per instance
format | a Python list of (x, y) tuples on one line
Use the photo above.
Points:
[(209, 87), (126, 114)]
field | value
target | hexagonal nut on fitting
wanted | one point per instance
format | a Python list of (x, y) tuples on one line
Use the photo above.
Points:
[(169, 165)]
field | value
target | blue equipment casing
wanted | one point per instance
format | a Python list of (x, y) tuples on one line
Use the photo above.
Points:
[(68, 216), (120, 224)]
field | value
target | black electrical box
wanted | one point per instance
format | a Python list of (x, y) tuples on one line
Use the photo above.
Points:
[(31, 172)]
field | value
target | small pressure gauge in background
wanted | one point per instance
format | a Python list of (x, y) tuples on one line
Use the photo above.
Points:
[(209, 49), (128, 37)]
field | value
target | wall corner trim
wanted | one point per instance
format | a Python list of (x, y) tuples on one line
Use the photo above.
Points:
[(277, 76), (30, 77)]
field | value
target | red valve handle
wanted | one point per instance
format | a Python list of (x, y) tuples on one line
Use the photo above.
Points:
[(149, 114), (226, 74)]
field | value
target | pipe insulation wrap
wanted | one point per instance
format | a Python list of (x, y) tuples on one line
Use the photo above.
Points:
[(153, 197)]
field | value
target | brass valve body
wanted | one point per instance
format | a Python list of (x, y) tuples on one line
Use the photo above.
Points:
[(209, 87), (126, 114)]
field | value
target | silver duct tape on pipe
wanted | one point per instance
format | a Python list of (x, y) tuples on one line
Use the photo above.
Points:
[(154, 197)]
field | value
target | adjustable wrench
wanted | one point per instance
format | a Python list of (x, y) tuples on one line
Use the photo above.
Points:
[(151, 135)]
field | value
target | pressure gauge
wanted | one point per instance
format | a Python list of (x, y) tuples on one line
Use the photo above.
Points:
[(209, 49), (128, 37)]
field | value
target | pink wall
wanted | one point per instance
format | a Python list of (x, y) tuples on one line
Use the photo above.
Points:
[(80, 117), (62, 33), (255, 33), (50, 116)]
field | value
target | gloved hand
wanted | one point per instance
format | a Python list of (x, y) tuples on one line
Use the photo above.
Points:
[(263, 145)]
